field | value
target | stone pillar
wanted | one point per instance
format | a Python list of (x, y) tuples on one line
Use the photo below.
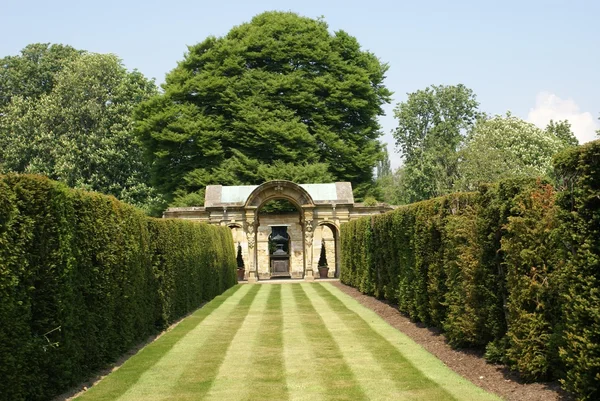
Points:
[(308, 246), (251, 236)]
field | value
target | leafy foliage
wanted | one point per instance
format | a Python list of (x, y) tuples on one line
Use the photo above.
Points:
[(532, 261), (279, 91), (431, 127), (84, 277), (578, 173), (77, 127), (505, 147), (32, 74), (447, 146), (512, 267), (562, 130)]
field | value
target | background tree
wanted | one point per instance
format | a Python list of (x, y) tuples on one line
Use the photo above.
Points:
[(242, 168), (384, 167), (432, 124), (279, 89), (32, 73), (80, 130), (562, 130), (505, 147), (391, 187)]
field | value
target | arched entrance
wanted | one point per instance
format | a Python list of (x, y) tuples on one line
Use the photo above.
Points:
[(327, 233), (302, 229), (321, 207), (279, 245)]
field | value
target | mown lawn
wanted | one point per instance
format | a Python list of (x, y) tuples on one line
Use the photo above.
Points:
[(284, 342)]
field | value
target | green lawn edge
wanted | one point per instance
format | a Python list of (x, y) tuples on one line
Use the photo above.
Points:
[(430, 366), (116, 384), (120, 383)]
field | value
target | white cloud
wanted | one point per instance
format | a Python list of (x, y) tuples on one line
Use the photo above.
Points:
[(548, 107)]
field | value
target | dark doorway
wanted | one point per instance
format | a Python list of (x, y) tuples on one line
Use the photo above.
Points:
[(279, 254)]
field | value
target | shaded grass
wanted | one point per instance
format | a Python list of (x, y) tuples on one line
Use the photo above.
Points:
[(196, 381), (431, 367), (115, 385), (336, 376), (232, 380), (284, 342), (409, 382)]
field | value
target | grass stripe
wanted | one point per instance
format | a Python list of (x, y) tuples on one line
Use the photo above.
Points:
[(376, 332), (284, 342), (303, 373), (268, 375), (159, 382), (232, 380), (199, 376), (115, 385), (383, 372), (336, 376)]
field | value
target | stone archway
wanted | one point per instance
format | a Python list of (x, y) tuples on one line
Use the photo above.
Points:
[(318, 203), (329, 232), (299, 197)]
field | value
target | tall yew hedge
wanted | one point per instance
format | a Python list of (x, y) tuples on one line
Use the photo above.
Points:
[(84, 277), (513, 268), (578, 174)]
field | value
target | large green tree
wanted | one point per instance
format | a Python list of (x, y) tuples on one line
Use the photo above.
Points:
[(508, 147), (79, 128), (32, 73), (432, 125), (279, 89)]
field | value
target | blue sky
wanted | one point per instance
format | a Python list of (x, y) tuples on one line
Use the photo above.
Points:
[(538, 59)]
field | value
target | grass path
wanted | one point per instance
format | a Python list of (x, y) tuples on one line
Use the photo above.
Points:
[(284, 342)]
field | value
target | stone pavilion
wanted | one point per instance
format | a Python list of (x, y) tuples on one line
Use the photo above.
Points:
[(320, 211)]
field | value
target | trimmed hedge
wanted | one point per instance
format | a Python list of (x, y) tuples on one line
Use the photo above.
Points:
[(84, 278), (578, 173), (513, 268)]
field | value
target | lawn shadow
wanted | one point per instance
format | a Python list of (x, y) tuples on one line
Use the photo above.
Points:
[(468, 362)]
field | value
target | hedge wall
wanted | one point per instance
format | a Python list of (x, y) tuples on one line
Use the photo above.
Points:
[(578, 173), (513, 268), (84, 277)]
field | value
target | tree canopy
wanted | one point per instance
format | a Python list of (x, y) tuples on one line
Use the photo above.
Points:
[(32, 73), (562, 130), (280, 90), (447, 145), (78, 127), (508, 147), (432, 124)]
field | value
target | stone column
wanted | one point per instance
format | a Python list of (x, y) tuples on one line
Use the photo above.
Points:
[(251, 236), (308, 246)]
